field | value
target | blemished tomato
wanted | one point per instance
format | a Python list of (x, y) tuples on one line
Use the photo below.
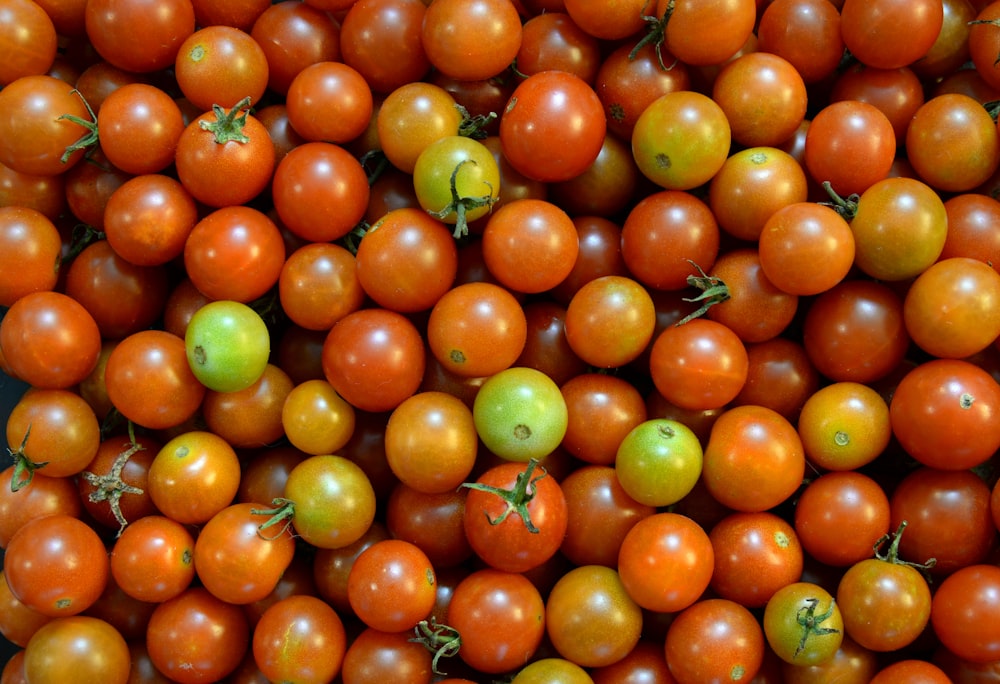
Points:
[(714, 640), (681, 140), (56, 565), (227, 345), (658, 462), (803, 624), (299, 638), (520, 414), (153, 559), (220, 65), (148, 219), (77, 649), (666, 562), (194, 476)]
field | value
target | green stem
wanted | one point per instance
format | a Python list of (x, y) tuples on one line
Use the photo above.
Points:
[(517, 498), (24, 467), (88, 139), (811, 623), (441, 640), (713, 291), (847, 208), (228, 126), (282, 514), (461, 205)]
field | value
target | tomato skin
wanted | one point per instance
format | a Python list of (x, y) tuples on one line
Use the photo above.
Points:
[(658, 462), (194, 476), (851, 145), (666, 562), (301, 639), (964, 610), (111, 26), (78, 649), (391, 586), (54, 427), (220, 65), (159, 543), (700, 365), (32, 248), (610, 321), (227, 345), (45, 496), (844, 426), (56, 565), (471, 40), (937, 401), (754, 459)]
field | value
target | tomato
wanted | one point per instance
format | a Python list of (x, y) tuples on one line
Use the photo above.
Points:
[(610, 22), (227, 346), (434, 523), (311, 487), (855, 331), (851, 663), (949, 518), (294, 35), (196, 637), (18, 622), (153, 542), (111, 28), (658, 462), (299, 638), (666, 562), (873, 34), (456, 180), (780, 377), (413, 116), (45, 496), (944, 309), (34, 132), (383, 41), (851, 145), (701, 364), (681, 140), (714, 640), (375, 656), (139, 127), (31, 248), (968, 216), (471, 40), (194, 476), (911, 670), (844, 426), (391, 586), (601, 411), (251, 417), (315, 419), (952, 393), (234, 253), (804, 32), (982, 42), (530, 245), (29, 38), (963, 613), (158, 357), (122, 297), (520, 414), (500, 617), (897, 93), (220, 65), (664, 233), (806, 248), (558, 112), (374, 358), (803, 624), (79, 649), (760, 541), (56, 565), (754, 459), (693, 33), (320, 191), (148, 218), (515, 516), (324, 88), (552, 671), (319, 284), (959, 123), (755, 78), (555, 40), (49, 340), (610, 321), (840, 516)]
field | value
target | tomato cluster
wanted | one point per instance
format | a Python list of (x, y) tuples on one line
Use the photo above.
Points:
[(553, 341)]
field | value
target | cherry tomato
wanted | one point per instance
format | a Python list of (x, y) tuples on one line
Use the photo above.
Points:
[(220, 65), (299, 638), (851, 145), (227, 345), (471, 40), (79, 649), (658, 462), (153, 559), (844, 426), (803, 624), (714, 640), (194, 476), (391, 586), (30, 247), (966, 599), (755, 555)]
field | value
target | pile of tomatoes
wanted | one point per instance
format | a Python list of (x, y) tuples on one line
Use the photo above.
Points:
[(534, 341)]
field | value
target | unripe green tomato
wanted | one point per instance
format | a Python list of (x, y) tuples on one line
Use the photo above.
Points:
[(520, 414), (659, 462), (227, 345)]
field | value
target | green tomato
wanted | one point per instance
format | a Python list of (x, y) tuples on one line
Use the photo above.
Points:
[(659, 462), (227, 346), (456, 179), (520, 414)]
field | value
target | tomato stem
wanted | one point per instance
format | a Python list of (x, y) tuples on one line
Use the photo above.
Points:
[(441, 640), (24, 467), (655, 36), (891, 555), (461, 205), (713, 291), (111, 487), (847, 208), (474, 126), (228, 126), (517, 498), (88, 139), (811, 623), (283, 512)]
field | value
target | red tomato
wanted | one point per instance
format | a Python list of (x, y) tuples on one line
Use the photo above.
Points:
[(194, 476), (79, 649), (873, 31), (220, 65), (610, 321), (329, 101), (153, 559), (294, 35), (851, 145), (30, 247), (755, 555), (471, 39), (382, 40), (299, 638), (391, 586), (140, 127), (964, 610), (714, 640), (112, 29)]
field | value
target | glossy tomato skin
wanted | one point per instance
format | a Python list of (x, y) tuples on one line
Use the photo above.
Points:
[(391, 586), (317, 481), (31, 247), (700, 364), (963, 613), (111, 26), (299, 638), (755, 555), (79, 649), (714, 640)]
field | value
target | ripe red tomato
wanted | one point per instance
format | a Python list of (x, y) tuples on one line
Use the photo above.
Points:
[(299, 638), (471, 40), (755, 555), (382, 41), (610, 321), (714, 640), (851, 145), (30, 251), (79, 649), (153, 559), (220, 65), (112, 29), (194, 476), (139, 127), (391, 586), (964, 600)]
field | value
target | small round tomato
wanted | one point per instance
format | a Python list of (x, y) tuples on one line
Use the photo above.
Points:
[(753, 460), (413, 116), (329, 101), (699, 365), (139, 127), (806, 248), (112, 29), (77, 649), (319, 284), (391, 586), (844, 426), (471, 40), (556, 111), (148, 219), (153, 559), (520, 414), (30, 253), (220, 65), (803, 624), (590, 618), (456, 180), (658, 462), (873, 33), (300, 638), (755, 555), (251, 417), (714, 640), (601, 409), (194, 476), (666, 562), (961, 125), (515, 517), (382, 40), (681, 140), (850, 145), (964, 613), (315, 419), (610, 321), (227, 346)]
